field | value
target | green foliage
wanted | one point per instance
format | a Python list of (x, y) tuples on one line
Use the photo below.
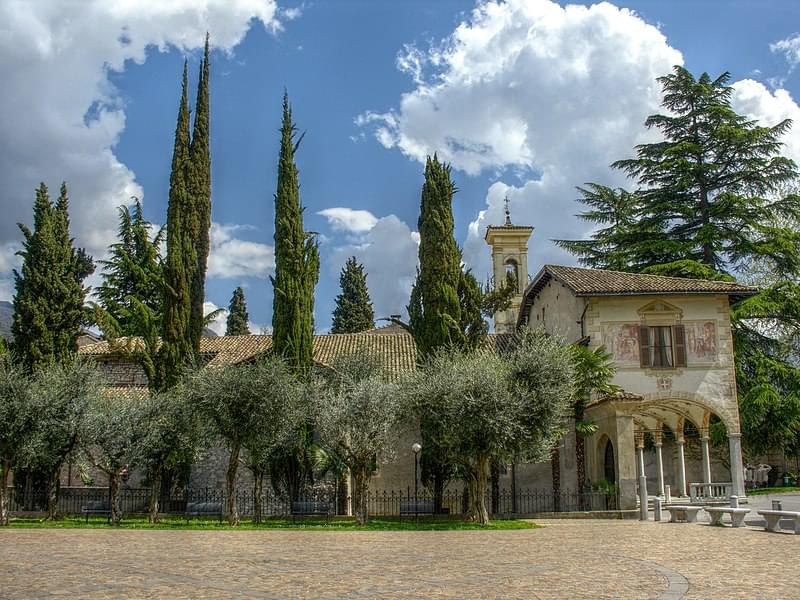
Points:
[(707, 184), (198, 184), (494, 408), (621, 242), (594, 371), (353, 312), (188, 223), (62, 395), (17, 422), (133, 275), (252, 407), (296, 260), (176, 348), (115, 426), (237, 315), (434, 310), (130, 296), (358, 415), (688, 268), (48, 304)]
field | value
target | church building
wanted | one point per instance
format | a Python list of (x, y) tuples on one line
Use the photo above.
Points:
[(669, 338)]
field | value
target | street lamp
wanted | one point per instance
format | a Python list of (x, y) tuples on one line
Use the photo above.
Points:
[(416, 448)]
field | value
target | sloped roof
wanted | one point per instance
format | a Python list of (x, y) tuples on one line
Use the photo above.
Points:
[(597, 282), (397, 351)]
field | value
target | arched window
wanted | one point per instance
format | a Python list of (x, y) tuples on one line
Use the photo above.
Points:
[(609, 469), (512, 271)]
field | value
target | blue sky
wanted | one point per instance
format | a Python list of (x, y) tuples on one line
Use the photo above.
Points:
[(525, 98)]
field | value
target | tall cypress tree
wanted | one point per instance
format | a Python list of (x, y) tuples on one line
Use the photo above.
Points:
[(435, 311), (199, 187), (353, 312), (177, 347), (48, 304), (296, 259), (237, 314)]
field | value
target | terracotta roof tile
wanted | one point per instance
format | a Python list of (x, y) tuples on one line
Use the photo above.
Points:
[(597, 282), (397, 351)]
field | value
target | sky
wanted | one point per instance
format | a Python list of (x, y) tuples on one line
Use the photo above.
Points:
[(526, 99)]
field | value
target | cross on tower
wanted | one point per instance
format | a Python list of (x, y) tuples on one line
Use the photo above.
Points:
[(508, 212)]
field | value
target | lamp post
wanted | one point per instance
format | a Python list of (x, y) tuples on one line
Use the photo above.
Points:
[(416, 448)]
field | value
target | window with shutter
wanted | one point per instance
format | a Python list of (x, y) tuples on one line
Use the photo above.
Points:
[(662, 346)]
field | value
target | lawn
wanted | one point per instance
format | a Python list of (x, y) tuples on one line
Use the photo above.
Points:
[(772, 490), (377, 524)]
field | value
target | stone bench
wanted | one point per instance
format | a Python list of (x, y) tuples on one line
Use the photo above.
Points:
[(685, 513), (97, 507), (737, 515), (311, 508), (773, 518), (203, 509), (416, 507)]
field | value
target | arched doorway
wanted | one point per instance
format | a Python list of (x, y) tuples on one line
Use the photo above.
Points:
[(609, 469)]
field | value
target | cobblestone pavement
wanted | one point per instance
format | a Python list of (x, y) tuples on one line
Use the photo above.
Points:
[(565, 559)]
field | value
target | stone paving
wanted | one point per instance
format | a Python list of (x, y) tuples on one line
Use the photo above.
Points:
[(565, 559)]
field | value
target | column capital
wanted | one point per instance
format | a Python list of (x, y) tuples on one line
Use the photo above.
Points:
[(735, 435), (680, 440)]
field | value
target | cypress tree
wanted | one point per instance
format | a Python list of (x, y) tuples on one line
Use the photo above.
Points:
[(176, 347), (353, 312), (48, 304), (237, 314), (435, 311), (199, 189), (296, 259)]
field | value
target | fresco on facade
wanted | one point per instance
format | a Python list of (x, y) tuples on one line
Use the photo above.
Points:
[(701, 340), (622, 342)]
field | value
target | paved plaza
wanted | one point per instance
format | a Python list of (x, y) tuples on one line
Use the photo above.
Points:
[(565, 559)]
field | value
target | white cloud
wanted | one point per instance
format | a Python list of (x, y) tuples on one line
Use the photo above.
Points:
[(349, 219), (234, 257), (60, 116), (754, 100), (388, 252), (548, 94), (790, 48)]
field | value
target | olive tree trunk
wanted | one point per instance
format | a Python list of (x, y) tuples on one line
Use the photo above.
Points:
[(360, 483), (113, 485), (5, 471), (478, 483), (258, 493), (233, 466), (52, 494), (155, 495)]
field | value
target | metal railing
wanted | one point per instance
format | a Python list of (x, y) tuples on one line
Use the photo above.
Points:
[(454, 503)]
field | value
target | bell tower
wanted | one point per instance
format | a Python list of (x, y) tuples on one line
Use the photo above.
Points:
[(509, 245)]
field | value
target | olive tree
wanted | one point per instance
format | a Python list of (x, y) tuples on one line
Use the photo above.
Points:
[(116, 424), (61, 395), (358, 414), (172, 438), (495, 408), (16, 424), (247, 406)]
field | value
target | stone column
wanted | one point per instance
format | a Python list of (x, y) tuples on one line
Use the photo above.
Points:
[(706, 458), (737, 469), (624, 442), (681, 466), (660, 467), (642, 478)]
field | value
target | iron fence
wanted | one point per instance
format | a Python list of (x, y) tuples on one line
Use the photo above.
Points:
[(454, 503)]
